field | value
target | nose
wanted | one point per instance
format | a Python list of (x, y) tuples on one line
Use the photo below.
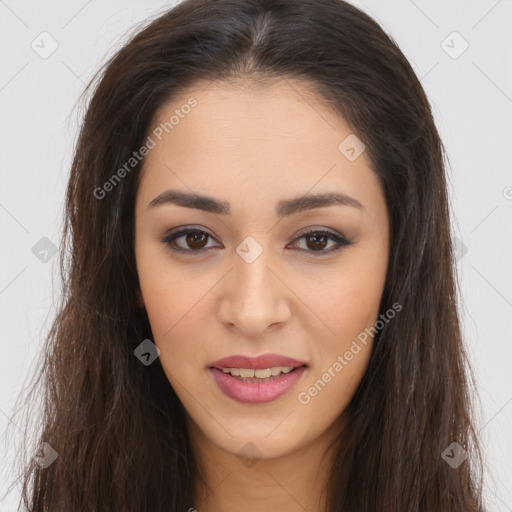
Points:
[(254, 296)]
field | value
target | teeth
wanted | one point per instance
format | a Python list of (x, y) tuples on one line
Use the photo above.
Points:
[(263, 373), (259, 374)]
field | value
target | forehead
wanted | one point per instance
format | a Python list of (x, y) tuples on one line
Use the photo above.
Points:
[(254, 116), (276, 138)]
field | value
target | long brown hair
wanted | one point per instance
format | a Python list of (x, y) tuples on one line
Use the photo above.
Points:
[(117, 425)]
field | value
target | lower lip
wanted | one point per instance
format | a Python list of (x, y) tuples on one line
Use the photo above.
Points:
[(256, 392)]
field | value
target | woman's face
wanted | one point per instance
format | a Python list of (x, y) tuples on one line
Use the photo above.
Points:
[(256, 285)]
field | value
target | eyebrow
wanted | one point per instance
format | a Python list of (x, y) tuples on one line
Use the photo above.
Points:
[(285, 207)]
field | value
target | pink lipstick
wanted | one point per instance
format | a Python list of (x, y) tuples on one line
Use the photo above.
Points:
[(259, 379)]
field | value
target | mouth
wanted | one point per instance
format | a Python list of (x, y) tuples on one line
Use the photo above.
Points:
[(258, 384), (256, 380)]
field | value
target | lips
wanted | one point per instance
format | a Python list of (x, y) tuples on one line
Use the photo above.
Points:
[(257, 391), (256, 363)]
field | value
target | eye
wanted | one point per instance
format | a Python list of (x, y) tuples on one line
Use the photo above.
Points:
[(317, 240), (195, 241)]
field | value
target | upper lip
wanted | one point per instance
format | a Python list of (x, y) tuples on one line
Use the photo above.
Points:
[(256, 363)]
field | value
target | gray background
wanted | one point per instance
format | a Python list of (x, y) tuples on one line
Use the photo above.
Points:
[(471, 94)]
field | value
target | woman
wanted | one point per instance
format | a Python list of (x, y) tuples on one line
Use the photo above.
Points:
[(260, 305)]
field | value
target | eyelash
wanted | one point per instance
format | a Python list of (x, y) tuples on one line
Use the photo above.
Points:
[(340, 240)]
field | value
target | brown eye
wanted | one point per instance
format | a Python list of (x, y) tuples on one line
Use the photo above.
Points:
[(194, 241), (317, 240)]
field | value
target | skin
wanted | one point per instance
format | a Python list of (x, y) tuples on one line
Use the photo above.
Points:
[(253, 146)]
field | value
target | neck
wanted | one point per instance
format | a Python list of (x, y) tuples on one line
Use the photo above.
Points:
[(295, 481)]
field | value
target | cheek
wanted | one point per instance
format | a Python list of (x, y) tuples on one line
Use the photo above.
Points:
[(178, 302), (175, 306), (171, 297), (340, 359), (351, 309), (353, 303)]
